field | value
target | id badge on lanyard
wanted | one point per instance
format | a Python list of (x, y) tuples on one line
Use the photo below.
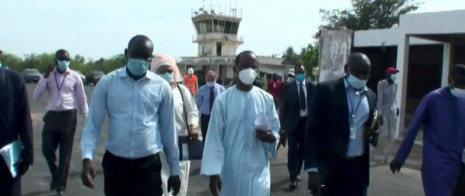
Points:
[(353, 130), (59, 87)]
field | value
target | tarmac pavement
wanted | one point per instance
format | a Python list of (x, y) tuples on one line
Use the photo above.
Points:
[(36, 181)]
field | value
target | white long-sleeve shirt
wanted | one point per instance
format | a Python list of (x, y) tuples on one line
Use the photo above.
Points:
[(191, 109), (386, 96)]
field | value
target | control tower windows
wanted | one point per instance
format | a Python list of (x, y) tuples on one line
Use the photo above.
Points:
[(218, 48)]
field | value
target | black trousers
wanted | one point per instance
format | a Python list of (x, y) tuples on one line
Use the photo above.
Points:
[(346, 177), (204, 120), (9, 186), (132, 177), (59, 130), (296, 150), (460, 187)]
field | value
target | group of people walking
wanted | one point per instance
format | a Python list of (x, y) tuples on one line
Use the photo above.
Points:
[(329, 127)]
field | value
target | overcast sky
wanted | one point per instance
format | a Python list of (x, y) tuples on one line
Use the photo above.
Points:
[(102, 28)]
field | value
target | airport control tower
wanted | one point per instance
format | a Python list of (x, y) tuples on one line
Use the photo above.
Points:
[(217, 41), (216, 33)]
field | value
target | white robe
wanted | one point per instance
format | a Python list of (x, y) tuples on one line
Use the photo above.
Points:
[(231, 147)]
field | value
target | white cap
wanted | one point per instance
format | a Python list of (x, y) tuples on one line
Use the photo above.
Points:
[(190, 71), (291, 72)]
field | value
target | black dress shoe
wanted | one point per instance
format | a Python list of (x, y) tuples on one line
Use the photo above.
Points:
[(60, 193), (53, 185), (293, 186)]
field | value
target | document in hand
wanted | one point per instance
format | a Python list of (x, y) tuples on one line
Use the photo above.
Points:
[(11, 154), (262, 122), (190, 150)]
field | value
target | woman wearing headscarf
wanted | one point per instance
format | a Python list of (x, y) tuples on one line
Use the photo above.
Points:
[(185, 110)]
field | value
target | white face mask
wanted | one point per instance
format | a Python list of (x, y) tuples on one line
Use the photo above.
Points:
[(211, 84), (457, 92), (290, 79), (247, 76), (394, 77)]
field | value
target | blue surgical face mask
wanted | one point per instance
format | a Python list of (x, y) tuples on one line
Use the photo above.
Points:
[(300, 77), (63, 65), (356, 83), (169, 77), (138, 67)]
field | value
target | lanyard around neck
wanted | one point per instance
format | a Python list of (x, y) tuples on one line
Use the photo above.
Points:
[(352, 100), (62, 82)]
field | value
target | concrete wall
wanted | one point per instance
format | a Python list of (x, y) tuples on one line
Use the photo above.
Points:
[(335, 46), (447, 22), (384, 37)]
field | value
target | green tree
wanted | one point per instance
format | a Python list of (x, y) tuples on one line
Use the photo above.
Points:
[(43, 61), (290, 57), (12, 61), (367, 14), (78, 63), (309, 57)]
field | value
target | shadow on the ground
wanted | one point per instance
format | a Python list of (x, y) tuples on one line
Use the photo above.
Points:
[(77, 174), (39, 193)]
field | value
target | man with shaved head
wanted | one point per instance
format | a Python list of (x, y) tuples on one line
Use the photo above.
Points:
[(242, 136), (293, 114), (339, 131), (140, 108), (205, 99), (66, 90)]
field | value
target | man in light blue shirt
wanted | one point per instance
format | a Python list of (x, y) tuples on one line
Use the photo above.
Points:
[(206, 97), (139, 105)]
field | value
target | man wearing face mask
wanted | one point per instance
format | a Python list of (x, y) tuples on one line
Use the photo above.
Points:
[(339, 131), (190, 81), (388, 110), (205, 99), (291, 75), (441, 114), (65, 90), (140, 109), (242, 136), (293, 114)]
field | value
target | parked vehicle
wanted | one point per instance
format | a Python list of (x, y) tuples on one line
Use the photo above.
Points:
[(31, 75), (83, 77), (93, 77)]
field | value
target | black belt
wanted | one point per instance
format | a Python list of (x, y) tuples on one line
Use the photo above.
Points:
[(354, 158), (62, 111)]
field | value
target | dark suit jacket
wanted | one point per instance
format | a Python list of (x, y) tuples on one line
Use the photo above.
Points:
[(15, 117), (289, 111), (327, 131)]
